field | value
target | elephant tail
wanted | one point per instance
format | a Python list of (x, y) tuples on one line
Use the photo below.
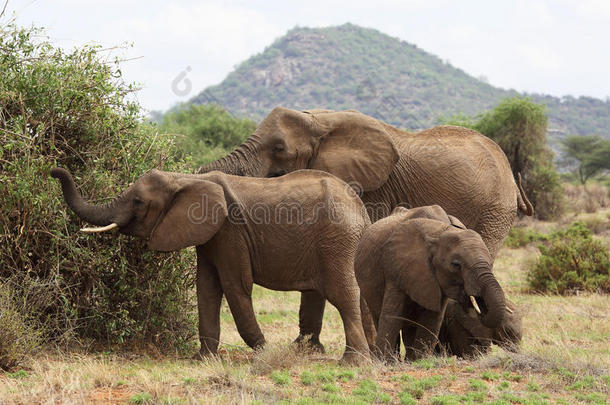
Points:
[(524, 205)]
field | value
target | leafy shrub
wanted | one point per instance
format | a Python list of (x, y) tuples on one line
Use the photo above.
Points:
[(71, 109), (571, 261), (208, 132), (520, 236), (19, 335)]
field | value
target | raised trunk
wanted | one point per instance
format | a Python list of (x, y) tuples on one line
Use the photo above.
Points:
[(96, 215), (493, 296), (243, 161)]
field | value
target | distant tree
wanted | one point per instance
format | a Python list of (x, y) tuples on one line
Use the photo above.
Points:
[(591, 155), (519, 126), (206, 132)]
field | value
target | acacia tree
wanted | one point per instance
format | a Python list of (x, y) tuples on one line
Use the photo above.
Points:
[(589, 154)]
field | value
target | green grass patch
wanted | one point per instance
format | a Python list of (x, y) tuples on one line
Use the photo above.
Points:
[(18, 374), (592, 398), (406, 399), (532, 386), (141, 398), (307, 377), (426, 363), (416, 388), (477, 385), (586, 382), (280, 378), (330, 387), (489, 376), (369, 391)]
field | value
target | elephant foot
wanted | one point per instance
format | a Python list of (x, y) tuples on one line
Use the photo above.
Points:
[(352, 358), (202, 354), (309, 343)]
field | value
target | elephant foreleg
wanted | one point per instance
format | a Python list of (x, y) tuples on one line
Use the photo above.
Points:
[(236, 279), (426, 334), (311, 312), (209, 296)]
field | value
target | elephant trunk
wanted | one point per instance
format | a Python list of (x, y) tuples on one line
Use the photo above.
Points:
[(96, 215), (243, 161), (493, 297)]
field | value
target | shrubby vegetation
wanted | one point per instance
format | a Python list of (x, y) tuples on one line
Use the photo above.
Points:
[(571, 260), (206, 132), (71, 109), (519, 126)]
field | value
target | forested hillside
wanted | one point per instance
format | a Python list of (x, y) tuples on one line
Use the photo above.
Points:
[(353, 67)]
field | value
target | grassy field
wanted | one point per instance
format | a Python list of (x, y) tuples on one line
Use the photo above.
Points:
[(564, 358)]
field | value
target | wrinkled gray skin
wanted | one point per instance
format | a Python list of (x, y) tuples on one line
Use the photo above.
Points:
[(298, 232), (407, 269), (463, 335), (457, 168)]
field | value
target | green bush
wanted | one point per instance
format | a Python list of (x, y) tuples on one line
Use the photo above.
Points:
[(72, 109), (571, 261), (522, 236), (207, 132)]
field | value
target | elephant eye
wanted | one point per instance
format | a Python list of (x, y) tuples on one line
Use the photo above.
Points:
[(456, 265), (278, 147), (138, 202)]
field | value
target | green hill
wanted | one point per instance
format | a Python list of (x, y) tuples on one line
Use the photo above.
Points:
[(353, 67)]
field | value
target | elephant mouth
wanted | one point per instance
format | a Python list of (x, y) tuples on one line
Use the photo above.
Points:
[(475, 302)]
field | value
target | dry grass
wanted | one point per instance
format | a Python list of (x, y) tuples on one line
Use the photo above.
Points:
[(564, 356)]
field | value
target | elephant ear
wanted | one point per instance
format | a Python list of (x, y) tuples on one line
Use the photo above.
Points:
[(456, 222), (354, 147), (197, 211), (409, 256)]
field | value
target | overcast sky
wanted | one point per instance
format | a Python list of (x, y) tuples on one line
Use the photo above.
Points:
[(556, 47)]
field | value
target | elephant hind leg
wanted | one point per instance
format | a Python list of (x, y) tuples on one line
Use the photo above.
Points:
[(311, 313)]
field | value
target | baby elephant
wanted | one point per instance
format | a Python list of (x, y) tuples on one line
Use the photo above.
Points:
[(295, 232), (408, 265), (462, 333)]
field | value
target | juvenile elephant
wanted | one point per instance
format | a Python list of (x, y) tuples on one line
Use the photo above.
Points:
[(459, 169), (462, 333), (407, 269), (298, 232)]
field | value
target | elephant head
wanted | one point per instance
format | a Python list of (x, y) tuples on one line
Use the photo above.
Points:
[(447, 262), (170, 210), (348, 144), (464, 335)]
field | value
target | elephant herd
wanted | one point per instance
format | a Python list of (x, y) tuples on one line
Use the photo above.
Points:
[(397, 230)]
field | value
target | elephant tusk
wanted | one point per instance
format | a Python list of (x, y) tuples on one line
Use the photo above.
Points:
[(100, 229), (475, 305), (509, 310)]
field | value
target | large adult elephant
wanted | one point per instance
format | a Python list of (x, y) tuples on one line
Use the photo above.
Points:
[(464, 172)]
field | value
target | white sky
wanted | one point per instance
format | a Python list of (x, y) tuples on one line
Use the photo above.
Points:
[(555, 47)]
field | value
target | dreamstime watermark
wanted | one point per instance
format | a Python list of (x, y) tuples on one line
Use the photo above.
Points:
[(182, 85), (332, 209)]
